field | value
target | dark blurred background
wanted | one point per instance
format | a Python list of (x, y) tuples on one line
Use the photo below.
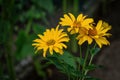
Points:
[(22, 20)]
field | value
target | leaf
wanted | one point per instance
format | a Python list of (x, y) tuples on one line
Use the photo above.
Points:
[(56, 62), (39, 68), (32, 13), (67, 58), (24, 45), (21, 39), (93, 66), (27, 50), (92, 78), (94, 51), (80, 60), (43, 4), (38, 29)]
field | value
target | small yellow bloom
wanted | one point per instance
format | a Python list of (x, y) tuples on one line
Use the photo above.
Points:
[(53, 40), (75, 24), (98, 33)]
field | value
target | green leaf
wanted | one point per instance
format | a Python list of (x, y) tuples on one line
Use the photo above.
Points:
[(80, 60), (34, 13), (24, 45), (21, 39), (66, 63), (39, 68), (93, 66), (67, 58), (27, 50), (94, 51), (46, 5), (38, 29), (76, 73), (92, 78), (56, 62)]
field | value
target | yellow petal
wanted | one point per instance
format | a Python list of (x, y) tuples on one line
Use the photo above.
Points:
[(77, 30), (66, 39), (79, 18), (86, 23), (44, 51), (72, 31), (56, 49), (98, 42), (106, 29), (51, 50), (99, 24), (104, 41), (72, 17), (67, 18), (69, 29), (89, 40), (82, 40), (61, 51)]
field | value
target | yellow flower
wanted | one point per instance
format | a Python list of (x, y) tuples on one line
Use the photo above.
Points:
[(98, 33), (75, 24), (53, 40)]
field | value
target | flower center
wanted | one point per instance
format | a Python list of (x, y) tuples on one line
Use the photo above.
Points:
[(51, 42), (76, 24), (92, 32)]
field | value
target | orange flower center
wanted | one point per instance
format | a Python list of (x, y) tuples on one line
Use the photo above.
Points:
[(76, 24), (92, 32), (51, 42)]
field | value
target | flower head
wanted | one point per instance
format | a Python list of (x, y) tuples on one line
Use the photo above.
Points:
[(98, 33), (73, 24), (53, 40)]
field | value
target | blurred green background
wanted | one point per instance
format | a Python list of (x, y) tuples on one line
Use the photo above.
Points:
[(22, 20)]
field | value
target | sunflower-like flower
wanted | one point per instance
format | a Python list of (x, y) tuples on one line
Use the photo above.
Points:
[(52, 39), (97, 33), (73, 24)]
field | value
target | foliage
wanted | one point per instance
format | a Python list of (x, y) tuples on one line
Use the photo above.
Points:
[(20, 22), (13, 14)]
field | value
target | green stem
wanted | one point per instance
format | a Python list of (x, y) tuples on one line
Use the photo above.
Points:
[(68, 76), (10, 66), (1, 72), (38, 67), (74, 46), (80, 61), (64, 5), (80, 52), (85, 61), (7, 7), (104, 7), (91, 58), (75, 6), (89, 64), (28, 26), (65, 69), (9, 59)]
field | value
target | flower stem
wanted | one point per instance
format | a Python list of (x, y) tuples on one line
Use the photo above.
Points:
[(80, 52), (85, 61), (28, 26), (80, 61), (89, 64), (64, 5), (1, 72), (75, 6), (74, 46), (9, 52)]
